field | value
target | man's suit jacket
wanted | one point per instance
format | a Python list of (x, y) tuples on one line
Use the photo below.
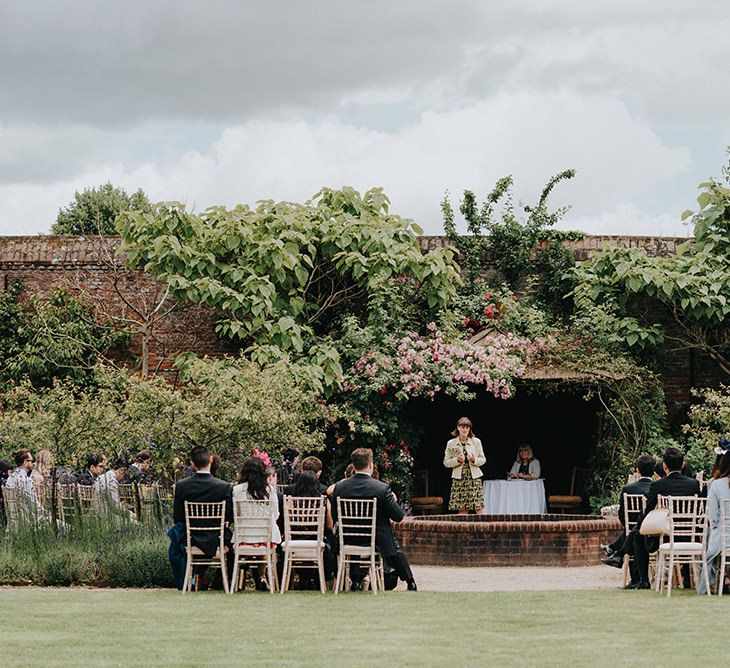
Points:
[(641, 486), (202, 487), (363, 486), (674, 484)]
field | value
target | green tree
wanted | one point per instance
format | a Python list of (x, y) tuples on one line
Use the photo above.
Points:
[(521, 247), (95, 210), (47, 338), (284, 273), (691, 287)]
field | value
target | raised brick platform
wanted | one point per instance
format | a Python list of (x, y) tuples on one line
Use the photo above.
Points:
[(506, 540)]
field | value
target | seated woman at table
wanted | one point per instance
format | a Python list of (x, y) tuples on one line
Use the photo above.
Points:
[(526, 467), (464, 455)]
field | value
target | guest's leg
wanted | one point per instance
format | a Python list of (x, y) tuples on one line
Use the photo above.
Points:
[(641, 557)]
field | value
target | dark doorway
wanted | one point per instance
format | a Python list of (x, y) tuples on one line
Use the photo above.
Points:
[(561, 427)]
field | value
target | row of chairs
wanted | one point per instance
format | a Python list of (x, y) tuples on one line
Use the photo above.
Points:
[(69, 500), (686, 542), (303, 545)]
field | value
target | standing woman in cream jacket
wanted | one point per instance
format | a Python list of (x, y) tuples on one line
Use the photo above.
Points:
[(464, 455)]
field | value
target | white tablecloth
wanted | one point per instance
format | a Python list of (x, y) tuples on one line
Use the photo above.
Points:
[(514, 497)]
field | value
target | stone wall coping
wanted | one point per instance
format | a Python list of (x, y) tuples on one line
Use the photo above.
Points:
[(509, 523)]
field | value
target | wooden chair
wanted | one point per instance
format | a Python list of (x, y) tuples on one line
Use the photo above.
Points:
[(128, 496), (356, 530), (634, 506), (66, 502), (422, 502), (574, 500), (303, 537), (686, 521), (87, 497), (252, 540), (204, 516)]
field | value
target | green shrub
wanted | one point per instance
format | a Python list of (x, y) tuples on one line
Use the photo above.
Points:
[(140, 562)]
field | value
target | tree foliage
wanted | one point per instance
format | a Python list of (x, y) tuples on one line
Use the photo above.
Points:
[(95, 210), (283, 272), (522, 248), (691, 287), (47, 338), (231, 406)]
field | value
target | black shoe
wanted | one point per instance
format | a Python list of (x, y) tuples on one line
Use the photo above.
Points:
[(632, 585), (616, 562), (607, 550), (356, 586), (644, 585), (412, 586)]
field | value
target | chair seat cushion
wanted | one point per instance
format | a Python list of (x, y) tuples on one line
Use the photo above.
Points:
[(427, 501), (297, 544), (566, 499), (681, 547)]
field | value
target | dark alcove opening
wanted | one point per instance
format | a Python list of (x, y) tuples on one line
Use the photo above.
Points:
[(561, 426)]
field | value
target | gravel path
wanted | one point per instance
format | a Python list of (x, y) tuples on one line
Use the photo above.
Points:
[(443, 578)]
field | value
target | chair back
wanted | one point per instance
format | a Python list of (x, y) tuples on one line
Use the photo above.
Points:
[(634, 506), (686, 518), (252, 521), (420, 482), (66, 497), (88, 498), (632, 478), (16, 506), (127, 496), (304, 518), (204, 516), (578, 480), (356, 522)]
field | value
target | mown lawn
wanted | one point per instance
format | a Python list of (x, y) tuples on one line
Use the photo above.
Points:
[(110, 627)]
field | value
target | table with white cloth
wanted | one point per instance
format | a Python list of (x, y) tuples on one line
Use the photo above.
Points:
[(514, 497)]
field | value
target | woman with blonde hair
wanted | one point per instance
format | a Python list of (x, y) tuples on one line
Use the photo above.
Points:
[(464, 455), (43, 466), (526, 467)]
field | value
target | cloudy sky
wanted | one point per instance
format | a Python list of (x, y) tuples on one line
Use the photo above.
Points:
[(218, 102)]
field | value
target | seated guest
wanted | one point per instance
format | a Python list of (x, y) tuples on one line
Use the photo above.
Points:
[(308, 485), (6, 468), (718, 491), (526, 467), (673, 484), (645, 469), (42, 469), (20, 480), (687, 470), (313, 464), (253, 484), (107, 484), (362, 486), (95, 464), (139, 471)]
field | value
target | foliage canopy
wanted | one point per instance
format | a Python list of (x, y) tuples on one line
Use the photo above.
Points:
[(95, 210)]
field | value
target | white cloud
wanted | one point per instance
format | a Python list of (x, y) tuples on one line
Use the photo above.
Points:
[(623, 166)]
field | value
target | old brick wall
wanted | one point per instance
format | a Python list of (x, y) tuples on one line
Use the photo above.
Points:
[(79, 264), (88, 267), (680, 369)]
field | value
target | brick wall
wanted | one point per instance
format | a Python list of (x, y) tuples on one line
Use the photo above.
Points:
[(506, 540), (90, 268), (47, 262)]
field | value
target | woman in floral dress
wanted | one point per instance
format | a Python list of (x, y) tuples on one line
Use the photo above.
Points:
[(464, 455)]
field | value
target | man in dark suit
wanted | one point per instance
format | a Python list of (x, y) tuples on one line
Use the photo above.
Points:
[(645, 469), (674, 484), (202, 486), (362, 486)]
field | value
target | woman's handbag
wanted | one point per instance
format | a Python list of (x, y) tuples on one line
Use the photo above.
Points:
[(656, 523)]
